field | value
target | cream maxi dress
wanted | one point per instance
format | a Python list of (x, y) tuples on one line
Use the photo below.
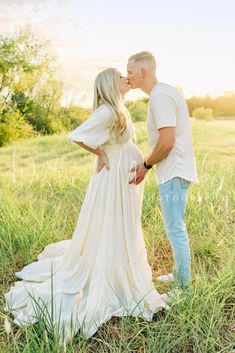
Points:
[(102, 271)]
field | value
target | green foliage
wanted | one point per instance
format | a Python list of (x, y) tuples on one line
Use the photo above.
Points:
[(223, 106), (13, 126), (23, 62), (29, 93), (137, 109), (203, 113), (72, 116)]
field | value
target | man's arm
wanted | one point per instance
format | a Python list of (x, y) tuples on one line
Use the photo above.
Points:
[(164, 145)]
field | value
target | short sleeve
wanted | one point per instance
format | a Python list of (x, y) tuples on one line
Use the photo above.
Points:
[(93, 132), (163, 110)]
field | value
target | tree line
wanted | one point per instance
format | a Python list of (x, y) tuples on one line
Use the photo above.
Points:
[(30, 93)]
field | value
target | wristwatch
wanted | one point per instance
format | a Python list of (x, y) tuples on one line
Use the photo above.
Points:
[(147, 166)]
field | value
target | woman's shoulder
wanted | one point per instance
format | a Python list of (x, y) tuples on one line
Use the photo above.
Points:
[(103, 108), (104, 112)]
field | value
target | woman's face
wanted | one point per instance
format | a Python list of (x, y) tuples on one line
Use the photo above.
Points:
[(123, 85)]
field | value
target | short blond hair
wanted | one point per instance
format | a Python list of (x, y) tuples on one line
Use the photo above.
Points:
[(144, 56)]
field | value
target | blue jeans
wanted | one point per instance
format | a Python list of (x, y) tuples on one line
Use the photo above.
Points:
[(173, 197)]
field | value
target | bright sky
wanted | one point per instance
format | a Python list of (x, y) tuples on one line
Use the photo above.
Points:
[(193, 41)]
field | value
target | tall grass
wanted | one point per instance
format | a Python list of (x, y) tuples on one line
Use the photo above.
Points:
[(43, 182)]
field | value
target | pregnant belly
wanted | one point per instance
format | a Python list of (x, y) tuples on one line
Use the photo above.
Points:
[(122, 156)]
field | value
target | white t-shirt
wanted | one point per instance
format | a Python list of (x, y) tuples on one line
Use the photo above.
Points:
[(167, 107)]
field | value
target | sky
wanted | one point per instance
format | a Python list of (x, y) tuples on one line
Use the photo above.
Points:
[(193, 41)]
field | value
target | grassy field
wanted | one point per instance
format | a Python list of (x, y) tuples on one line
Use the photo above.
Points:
[(42, 186)]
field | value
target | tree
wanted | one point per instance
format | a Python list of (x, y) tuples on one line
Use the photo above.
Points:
[(203, 113), (28, 87)]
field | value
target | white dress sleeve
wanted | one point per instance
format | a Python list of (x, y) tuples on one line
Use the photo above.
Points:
[(93, 132)]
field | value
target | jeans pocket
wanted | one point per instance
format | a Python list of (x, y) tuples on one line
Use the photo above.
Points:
[(166, 187), (184, 183)]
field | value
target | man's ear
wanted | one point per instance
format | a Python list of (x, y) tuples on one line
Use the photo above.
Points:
[(143, 72)]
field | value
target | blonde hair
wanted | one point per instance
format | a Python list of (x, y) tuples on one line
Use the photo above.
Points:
[(106, 91), (144, 56)]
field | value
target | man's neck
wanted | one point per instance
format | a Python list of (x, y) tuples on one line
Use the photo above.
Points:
[(149, 84)]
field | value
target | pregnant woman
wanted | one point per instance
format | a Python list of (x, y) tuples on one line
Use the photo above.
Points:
[(102, 271)]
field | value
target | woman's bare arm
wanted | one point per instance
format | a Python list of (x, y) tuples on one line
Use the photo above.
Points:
[(98, 151), (102, 158)]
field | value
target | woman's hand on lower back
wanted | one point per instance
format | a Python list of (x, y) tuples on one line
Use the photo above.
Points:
[(102, 161)]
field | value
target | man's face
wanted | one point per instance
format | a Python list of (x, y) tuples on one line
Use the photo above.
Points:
[(134, 74)]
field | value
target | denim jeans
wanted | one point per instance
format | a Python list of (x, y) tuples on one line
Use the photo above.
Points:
[(173, 198)]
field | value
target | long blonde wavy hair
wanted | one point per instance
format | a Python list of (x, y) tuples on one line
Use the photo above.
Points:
[(106, 91)]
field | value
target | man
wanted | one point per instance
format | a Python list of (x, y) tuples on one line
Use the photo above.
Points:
[(170, 140)]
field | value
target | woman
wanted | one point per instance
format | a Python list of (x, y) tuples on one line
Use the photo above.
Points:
[(103, 270)]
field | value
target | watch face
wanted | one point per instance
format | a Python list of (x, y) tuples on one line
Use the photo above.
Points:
[(148, 166)]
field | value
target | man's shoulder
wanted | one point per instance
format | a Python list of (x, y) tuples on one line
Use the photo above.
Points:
[(162, 92), (166, 92), (163, 88)]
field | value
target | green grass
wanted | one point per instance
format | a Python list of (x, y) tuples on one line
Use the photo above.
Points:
[(43, 182)]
